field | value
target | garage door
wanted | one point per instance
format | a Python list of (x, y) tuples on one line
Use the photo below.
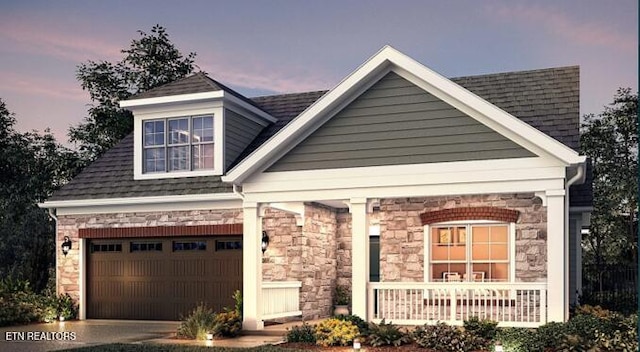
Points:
[(161, 278)]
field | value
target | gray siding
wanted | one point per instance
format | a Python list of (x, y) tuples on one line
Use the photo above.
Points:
[(239, 132), (393, 123)]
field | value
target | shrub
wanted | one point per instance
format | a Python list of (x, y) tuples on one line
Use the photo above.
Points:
[(66, 307), (596, 311), (518, 340), (446, 338), (386, 334), (198, 323), (551, 334), (332, 332), (342, 296), (302, 333), (227, 324), (237, 299), (484, 328), (362, 325)]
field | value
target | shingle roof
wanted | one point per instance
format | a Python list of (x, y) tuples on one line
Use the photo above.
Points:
[(548, 99)]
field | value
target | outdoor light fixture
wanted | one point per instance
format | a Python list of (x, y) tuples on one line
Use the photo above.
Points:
[(356, 345), (498, 347), (66, 245), (265, 241)]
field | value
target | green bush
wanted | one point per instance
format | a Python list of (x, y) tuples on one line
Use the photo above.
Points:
[(446, 338), (66, 307), (551, 334), (362, 325), (335, 332), (519, 340), (386, 334), (302, 333), (20, 305), (483, 328), (227, 324), (198, 323)]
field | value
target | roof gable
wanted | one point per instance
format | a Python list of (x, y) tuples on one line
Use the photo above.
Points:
[(395, 122), (385, 61)]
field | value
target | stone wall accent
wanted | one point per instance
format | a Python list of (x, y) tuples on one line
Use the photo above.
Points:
[(343, 238), (401, 232), (69, 225), (305, 253)]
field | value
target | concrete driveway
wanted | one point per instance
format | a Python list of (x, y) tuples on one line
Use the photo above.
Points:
[(74, 334)]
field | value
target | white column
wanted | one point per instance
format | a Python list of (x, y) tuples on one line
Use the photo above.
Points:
[(557, 294), (251, 268), (82, 275), (359, 256)]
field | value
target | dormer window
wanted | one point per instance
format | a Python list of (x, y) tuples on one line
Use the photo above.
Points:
[(178, 144)]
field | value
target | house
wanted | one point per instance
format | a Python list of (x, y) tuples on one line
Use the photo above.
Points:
[(431, 198)]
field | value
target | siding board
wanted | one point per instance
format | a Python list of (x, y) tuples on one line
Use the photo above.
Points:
[(239, 132), (393, 123)]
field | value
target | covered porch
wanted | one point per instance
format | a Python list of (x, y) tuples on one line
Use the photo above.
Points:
[(406, 293)]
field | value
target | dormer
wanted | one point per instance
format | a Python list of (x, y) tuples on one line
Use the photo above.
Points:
[(194, 126)]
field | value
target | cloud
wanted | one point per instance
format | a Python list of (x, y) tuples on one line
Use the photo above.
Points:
[(264, 74), (40, 86), (573, 29), (35, 37)]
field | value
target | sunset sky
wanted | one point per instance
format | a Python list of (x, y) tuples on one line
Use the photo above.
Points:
[(265, 47)]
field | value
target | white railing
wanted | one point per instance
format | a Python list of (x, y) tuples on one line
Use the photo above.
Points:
[(280, 299), (416, 303)]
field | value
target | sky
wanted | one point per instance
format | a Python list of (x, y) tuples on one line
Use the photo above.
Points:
[(264, 47)]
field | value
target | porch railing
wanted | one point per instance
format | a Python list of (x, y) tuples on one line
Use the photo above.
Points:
[(417, 303), (280, 299)]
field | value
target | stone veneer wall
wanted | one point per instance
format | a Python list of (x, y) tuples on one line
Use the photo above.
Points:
[(343, 239), (305, 253), (401, 233), (68, 225)]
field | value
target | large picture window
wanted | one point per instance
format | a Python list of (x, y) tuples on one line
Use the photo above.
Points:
[(178, 144), (470, 252)]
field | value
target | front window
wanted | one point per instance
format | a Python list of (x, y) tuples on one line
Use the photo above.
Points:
[(178, 144), (470, 252)]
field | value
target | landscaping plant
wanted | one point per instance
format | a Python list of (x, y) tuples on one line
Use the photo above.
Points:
[(335, 332), (302, 333), (386, 334), (198, 323)]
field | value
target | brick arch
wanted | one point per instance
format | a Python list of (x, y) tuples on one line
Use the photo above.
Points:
[(470, 213)]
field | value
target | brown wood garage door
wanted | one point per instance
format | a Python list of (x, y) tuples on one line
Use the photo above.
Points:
[(161, 278)]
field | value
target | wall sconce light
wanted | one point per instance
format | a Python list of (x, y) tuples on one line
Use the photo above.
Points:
[(66, 245), (265, 241)]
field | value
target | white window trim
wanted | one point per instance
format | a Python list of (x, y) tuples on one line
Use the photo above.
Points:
[(218, 140), (427, 244)]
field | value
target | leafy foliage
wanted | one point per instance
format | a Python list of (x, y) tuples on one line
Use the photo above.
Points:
[(446, 338), (482, 328), (19, 304), (362, 325), (301, 333), (200, 321), (518, 340), (32, 166), (150, 61), (610, 140), (386, 334), (342, 296), (227, 324), (335, 332)]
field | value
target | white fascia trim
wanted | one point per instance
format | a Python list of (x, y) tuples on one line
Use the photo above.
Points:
[(251, 108), (172, 99), (140, 200), (385, 59)]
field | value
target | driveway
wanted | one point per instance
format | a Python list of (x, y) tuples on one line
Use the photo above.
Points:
[(74, 334)]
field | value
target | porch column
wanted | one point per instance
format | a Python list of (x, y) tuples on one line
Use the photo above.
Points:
[(359, 256), (557, 295), (251, 267)]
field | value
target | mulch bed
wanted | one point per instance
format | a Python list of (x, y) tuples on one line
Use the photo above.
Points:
[(311, 347)]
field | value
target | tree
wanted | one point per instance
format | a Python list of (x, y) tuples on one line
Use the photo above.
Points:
[(610, 140), (150, 61), (32, 166)]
